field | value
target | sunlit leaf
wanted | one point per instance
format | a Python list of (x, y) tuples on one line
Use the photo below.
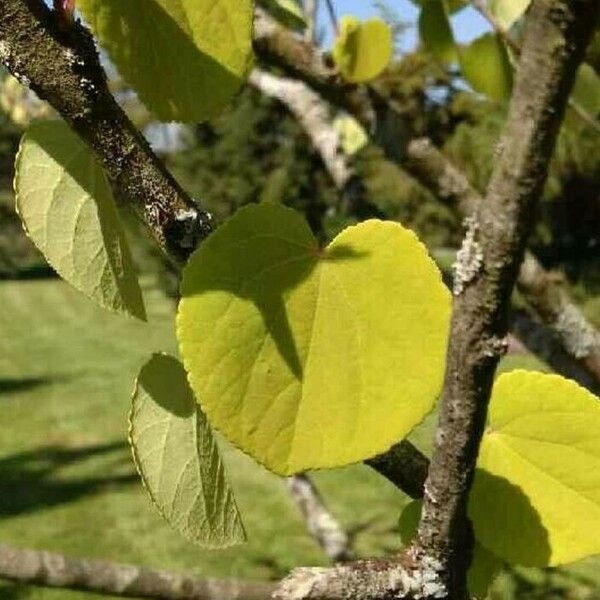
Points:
[(185, 58), (352, 134), (363, 50), (508, 12), (485, 566), (486, 66), (178, 458), (307, 357), (68, 211), (536, 495), (436, 32)]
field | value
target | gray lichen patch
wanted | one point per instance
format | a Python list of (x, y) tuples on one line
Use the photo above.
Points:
[(578, 336), (469, 258)]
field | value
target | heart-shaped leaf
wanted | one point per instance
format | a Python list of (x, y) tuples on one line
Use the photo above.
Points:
[(178, 458), (185, 58), (306, 357), (363, 50), (536, 496), (68, 211), (484, 566)]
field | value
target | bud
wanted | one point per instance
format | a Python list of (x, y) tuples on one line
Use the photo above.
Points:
[(64, 9)]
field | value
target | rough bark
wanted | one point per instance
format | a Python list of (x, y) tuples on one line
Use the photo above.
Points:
[(541, 290), (556, 36), (58, 571), (322, 525), (61, 65)]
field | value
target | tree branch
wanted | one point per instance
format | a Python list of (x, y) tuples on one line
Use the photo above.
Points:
[(556, 36), (48, 569), (314, 114), (549, 300), (322, 525), (61, 65)]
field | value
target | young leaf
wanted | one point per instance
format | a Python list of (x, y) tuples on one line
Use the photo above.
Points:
[(307, 357), (508, 12), (587, 89), (436, 32), (362, 51), (536, 496), (485, 65), (485, 566), (67, 209), (288, 12), (185, 58), (352, 134), (178, 459)]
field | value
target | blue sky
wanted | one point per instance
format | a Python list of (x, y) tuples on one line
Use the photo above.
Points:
[(468, 24)]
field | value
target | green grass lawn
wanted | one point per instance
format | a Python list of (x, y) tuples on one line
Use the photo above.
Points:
[(67, 482)]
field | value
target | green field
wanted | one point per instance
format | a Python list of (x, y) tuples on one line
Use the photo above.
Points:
[(67, 482)]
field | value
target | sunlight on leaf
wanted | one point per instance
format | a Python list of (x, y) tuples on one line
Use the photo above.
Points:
[(536, 496), (508, 12), (178, 458), (185, 58), (309, 358), (363, 50), (68, 211), (485, 65)]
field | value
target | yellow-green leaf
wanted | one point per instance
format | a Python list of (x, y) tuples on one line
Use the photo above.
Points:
[(436, 32), (306, 357), (68, 211), (485, 566), (508, 12), (486, 66), (352, 134), (536, 495), (586, 92), (185, 58), (289, 12), (178, 458), (363, 50)]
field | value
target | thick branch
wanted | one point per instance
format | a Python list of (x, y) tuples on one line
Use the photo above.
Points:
[(58, 571), (557, 33), (398, 578), (322, 525), (61, 65), (549, 300)]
